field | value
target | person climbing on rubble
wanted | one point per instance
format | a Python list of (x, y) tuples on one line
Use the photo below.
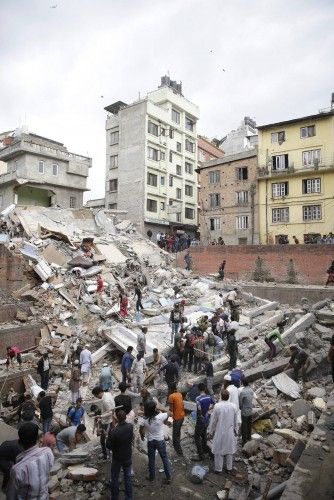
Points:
[(68, 438), (204, 402), (13, 352), (138, 296), (271, 337), (106, 417), (176, 408), (141, 341), (43, 370), (138, 372), (223, 429), (175, 319), (221, 270), (188, 261), (123, 304), (126, 364), (86, 364), (74, 384), (75, 413), (153, 425), (299, 360), (105, 378)]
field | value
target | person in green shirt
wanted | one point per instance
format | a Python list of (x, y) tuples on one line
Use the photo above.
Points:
[(271, 337)]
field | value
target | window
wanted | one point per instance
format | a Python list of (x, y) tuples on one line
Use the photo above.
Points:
[(280, 162), (190, 146), (171, 180), (280, 214), (162, 156), (201, 155), (178, 216), (189, 191), (178, 193), (311, 186), (176, 116), (214, 177), (152, 179), (170, 202), (178, 170), (73, 202), (214, 200), (170, 156), (113, 183), (152, 153), (279, 189), (214, 224), (54, 169), (311, 158), (242, 173), (112, 206), (114, 161), (241, 197), (189, 169), (153, 128), (312, 212), (152, 205), (163, 131), (241, 222), (41, 167), (189, 213), (189, 124), (307, 131), (114, 137), (178, 147), (162, 206), (162, 180), (278, 137), (171, 133)]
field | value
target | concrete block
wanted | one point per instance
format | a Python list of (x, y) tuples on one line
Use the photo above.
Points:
[(300, 407), (325, 315), (267, 370), (260, 310)]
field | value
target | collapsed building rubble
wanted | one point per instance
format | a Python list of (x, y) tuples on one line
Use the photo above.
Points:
[(64, 251)]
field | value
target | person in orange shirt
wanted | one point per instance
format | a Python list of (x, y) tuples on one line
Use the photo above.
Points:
[(176, 408)]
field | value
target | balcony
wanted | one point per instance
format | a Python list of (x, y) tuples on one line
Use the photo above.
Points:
[(267, 171)]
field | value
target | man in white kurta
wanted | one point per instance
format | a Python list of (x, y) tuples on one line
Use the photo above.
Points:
[(86, 364), (223, 427), (234, 394)]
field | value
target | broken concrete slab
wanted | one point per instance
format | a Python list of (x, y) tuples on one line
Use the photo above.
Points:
[(101, 352), (257, 311), (322, 330), (266, 370), (112, 254), (286, 385), (300, 407), (52, 255), (316, 392), (325, 315), (290, 435)]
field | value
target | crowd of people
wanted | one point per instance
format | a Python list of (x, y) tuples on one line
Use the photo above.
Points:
[(173, 242)]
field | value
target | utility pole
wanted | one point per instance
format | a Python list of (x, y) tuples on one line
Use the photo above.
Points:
[(252, 195)]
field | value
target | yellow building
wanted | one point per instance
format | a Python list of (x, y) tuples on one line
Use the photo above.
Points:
[(296, 179)]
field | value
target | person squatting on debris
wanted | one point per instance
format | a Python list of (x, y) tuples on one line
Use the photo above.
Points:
[(68, 438), (74, 384), (29, 477), (106, 417), (43, 370), (138, 371), (126, 364), (141, 341), (13, 352), (223, 428), (176, 408), (299, 360), (120, 440), (175, 321), (153, 425), (271, 337), (86, 364), (105, 378)]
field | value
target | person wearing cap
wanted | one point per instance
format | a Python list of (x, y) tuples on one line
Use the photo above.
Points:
[(234, 394), (237, 375), (105, 377), (74, 384), (86, 364), (76, 413)]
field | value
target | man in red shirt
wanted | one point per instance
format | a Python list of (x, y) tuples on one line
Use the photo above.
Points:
[(13, 352)]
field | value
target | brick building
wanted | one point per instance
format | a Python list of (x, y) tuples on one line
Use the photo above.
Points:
[(207, 151), (228, 199)]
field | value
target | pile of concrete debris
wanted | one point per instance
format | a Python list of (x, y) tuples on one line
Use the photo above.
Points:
[(65, 250)]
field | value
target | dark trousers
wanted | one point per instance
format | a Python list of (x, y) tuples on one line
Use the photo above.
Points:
[(5, 466), (333, 370), (246, 428), (103, 438), (197, 364), (139, 305), (188, 357), (272, 348), (46, 424), (124, 376), (177, 424), (201, 439), (233, 360), (152, 446), (45, 380), (115, 471)]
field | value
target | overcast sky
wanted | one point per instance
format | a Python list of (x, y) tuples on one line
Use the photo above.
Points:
[(56, 63)]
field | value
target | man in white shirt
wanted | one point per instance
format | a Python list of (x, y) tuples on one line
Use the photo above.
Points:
[(106, 417), (138, 371), (234, 395), (86, 364), (29, 477)]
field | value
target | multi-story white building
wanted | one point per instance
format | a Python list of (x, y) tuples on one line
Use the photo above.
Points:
[(152, 158)]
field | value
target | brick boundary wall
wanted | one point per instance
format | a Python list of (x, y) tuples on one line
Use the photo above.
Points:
[(14, 271), (309, 262)]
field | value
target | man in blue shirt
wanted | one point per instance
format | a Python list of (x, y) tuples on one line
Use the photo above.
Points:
[(203, 402), (76, 413), (127, 361)]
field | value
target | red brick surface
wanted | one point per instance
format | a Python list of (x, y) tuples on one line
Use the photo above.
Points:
[(310, 261)]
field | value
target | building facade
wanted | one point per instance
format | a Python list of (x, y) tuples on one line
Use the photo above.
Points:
[(228, 200), (207, 151), (40, 171), (151, 160), (244, 138), (296, 179)]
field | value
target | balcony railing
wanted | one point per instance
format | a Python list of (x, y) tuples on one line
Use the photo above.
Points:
[(31, 147), (268, 171)]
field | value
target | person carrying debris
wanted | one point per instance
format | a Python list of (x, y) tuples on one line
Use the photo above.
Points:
[(175, 321), (138, 371), (127, 361), (68, 438), (271, 337), (13, 352), (223, 428), (43, 370), (188, 261), (86, 364), (176, 408), (141, 341), (74, 384), (299, 360), (105, 378)]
